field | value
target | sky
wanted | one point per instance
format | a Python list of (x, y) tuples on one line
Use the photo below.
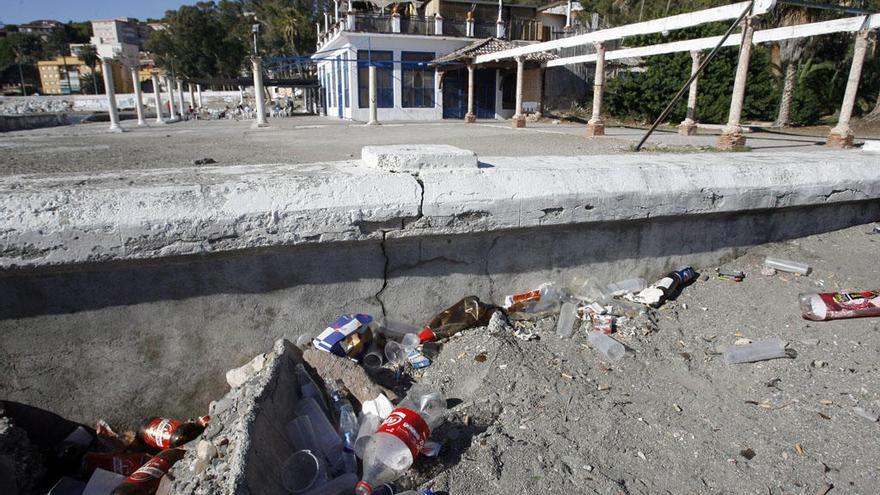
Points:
[(21, 11)]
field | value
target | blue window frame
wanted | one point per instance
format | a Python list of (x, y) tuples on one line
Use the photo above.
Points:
[(417, 80), (383, 61)]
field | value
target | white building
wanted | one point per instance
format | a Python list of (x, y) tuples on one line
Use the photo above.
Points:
[(402, 47)]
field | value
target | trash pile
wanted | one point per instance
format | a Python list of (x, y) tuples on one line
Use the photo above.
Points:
[(18, 106), (342, 427)]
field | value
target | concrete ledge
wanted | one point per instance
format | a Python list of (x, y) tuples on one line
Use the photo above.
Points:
[(413, 158), (32, 121), (75, 218)]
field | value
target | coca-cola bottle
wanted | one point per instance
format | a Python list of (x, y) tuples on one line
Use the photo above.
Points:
[(164, 433), (146, 480), (467, 313), (394, 446)]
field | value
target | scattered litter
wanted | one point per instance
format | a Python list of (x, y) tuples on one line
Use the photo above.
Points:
[(467, 313), (524, 334), (787, 266), (757, 351), (632, 285), (742, 341), (800, 450), (735, 275), (865, 414), (840, 305), (480, 358), (540, 301), (875, 229), (565, 323), (348, 336), (819, 363), (768, 271), (603, 387), (749, 454), (826, 402), (641, 455), (204, 161), (602, 323)]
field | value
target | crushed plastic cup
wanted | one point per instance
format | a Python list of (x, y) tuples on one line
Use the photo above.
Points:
[(756, 351), (608, 347), (302, 434), (787, 266), (565, 324), (303, 471)]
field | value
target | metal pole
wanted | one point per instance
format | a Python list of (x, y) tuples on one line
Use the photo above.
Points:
[(696, 74)]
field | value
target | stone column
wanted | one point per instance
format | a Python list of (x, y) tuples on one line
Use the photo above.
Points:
[(199, 94), (192, 96), (438, 24), (688, 126), (171, 105), (596, 124), (241, 95), (841, 135), (374, 119), (470, 117), (500, 30), (107, 70), (469, 26), (258, 93), (182, 102), (519, 120), (395, 22), (157, 95), (138, 96), (539, 112), (732, 135)]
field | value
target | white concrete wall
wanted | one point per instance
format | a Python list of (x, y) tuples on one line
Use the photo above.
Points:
[(347, 45), (124, 101)]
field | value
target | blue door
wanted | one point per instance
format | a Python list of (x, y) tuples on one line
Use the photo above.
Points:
[(455, 94)]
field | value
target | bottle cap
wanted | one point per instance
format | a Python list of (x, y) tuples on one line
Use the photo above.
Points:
[(427, 335)]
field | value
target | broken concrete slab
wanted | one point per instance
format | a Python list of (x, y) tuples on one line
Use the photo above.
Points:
[(413, 158)]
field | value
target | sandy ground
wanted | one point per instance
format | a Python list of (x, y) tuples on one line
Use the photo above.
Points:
[(551, 416), (305, 139)]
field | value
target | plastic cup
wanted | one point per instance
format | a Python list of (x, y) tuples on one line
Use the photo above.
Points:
[(373, 359), (395, 353), (324, 432), (608, 347), (756, 351), (302, 434), (303, 471)]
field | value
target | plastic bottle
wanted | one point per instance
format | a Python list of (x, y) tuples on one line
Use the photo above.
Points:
[(663, 289), (146, 480), (787, 266), (308, 387), (610, 348), (565, 324), (164, 433), (630, 285), (348, 424), (467, 313), (394, 446), (756, 351), (839, 305), (340, 485)]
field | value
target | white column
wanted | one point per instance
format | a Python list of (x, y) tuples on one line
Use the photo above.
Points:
[(518, 119), (539, 112), (157, 95), (499, 29), (568, 16), (438, 24), (469, 27), (395, 22), (258, 93), (732, 134), (182, 102), (192, 96), (841, 136), (596, 124), (335, 11), (470, 117), (107, 70), (199, 94), (138, 95), (326, 23), (374, 114), (171, 105), (688, 126), (350, 20)]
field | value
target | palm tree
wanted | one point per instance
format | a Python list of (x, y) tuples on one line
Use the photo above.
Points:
[(291, 21), (90, 57), (790, 53)]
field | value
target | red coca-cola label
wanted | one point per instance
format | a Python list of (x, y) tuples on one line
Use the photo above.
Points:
[(119, 463), (158, 432), (151, 471), (408, 426)]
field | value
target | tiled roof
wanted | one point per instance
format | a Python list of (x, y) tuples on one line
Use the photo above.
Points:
[(490, 45)]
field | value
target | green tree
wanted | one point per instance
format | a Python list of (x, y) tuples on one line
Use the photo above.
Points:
[(21, 50), (204, 40), (58, 45)]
